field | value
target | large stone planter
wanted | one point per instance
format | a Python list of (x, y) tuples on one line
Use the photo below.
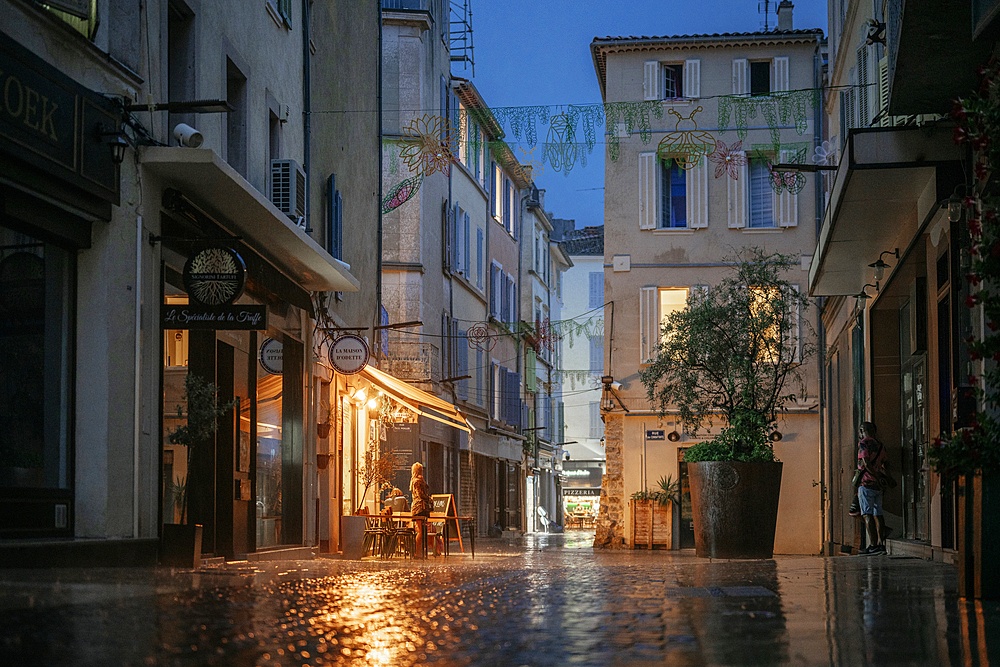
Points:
[(735, 508), (978, 507), (652, 525), (352, 536)]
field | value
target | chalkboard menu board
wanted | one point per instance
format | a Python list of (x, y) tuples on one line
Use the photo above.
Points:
[(444, 504)]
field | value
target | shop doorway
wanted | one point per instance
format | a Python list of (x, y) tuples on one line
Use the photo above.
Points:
[(914, 439), (686, 535)]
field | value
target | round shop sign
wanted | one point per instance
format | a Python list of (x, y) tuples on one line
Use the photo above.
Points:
[(349, 354), (271, 356), (215, 276)]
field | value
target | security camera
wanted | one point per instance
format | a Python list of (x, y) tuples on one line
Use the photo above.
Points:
[(616, 385), (187, 136)]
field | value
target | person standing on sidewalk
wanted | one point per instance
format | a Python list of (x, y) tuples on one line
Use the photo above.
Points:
[(871, 460), (422, 503)]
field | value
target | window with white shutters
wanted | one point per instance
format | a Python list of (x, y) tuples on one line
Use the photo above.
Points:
[(597, 354), (673, 197), (780, 75), (697, 195), (787, 202), (737, 194), (760, 78), (864, 113), (741, 75), (668, 81), (692, 78), (596, 425), (651, 80), (648, 190), (596, 289), (649, 329), (761, 196)]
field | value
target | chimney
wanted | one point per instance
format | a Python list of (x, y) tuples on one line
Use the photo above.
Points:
[(785, 15)]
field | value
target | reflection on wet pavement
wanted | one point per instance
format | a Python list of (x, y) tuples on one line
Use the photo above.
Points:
[(547, 600)]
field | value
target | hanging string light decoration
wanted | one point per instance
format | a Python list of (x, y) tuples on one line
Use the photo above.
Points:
[(401, 193), (627, 118), (728, 159), (560, 149), (591, 116), (533, 168), (430, 144), (523, 120), (479, 337), (789, 107), (685, 147)]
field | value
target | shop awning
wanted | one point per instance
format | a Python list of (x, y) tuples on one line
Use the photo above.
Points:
[(207, 179), (888, 180), (419, 401)]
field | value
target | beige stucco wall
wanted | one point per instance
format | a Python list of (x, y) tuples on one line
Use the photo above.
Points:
[(682, 258)]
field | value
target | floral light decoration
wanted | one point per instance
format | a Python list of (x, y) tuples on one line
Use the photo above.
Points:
[(430, 145), (479, 337), (686, 147), (824, 153), (728, 160), (975, 448), (401, 193)]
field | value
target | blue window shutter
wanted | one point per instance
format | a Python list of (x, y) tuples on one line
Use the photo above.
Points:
[(515, 391), (462, 351), (480, 386), (596, 289), (468, 243), (338, 234), (479, 258), (331, 215), (596, 354)]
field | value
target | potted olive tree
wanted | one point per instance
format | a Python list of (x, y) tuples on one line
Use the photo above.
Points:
[(181, 542), (734, 353)]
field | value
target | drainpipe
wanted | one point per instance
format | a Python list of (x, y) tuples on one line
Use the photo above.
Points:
[(826, 456), (306, 106), (137, 406), (378, 202)]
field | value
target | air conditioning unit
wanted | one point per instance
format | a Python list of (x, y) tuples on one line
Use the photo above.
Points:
[(288, 189)]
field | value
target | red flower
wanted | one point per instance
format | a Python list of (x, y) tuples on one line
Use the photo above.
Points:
[(973, 380), (973, 355), (958, 111), (960, 135), (975, 228), (937, 442), (980, 143), (971, 300), (973, 279), (981, 172)]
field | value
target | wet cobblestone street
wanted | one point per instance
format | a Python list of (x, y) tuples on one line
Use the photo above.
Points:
[(545, 600)]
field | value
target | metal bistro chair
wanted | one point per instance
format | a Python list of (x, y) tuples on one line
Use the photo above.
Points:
[(376, 538), (402, 540)]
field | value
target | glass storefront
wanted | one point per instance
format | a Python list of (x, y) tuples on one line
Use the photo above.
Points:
[(36, 290)]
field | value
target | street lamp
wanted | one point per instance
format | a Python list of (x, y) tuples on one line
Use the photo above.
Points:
[(880, 266)]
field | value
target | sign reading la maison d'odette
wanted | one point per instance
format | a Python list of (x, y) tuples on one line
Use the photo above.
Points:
[(247, 318), (349, 354)]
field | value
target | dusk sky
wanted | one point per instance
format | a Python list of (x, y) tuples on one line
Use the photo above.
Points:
[(537, 52)]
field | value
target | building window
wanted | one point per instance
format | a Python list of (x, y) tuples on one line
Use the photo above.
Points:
[(761, 196), (596, 354), (673, 78), (596, 425), (760, 78), (673, 195)]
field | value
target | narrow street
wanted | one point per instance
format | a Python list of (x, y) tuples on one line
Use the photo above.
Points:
[(544, 600)]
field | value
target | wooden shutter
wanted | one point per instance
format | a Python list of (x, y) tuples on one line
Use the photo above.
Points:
[(697, 195), (741, 84), (338, 225), (651, 80), (883, 93), (456, 240), (462, 352), (864, 113), (692, 78), (596, 289), (447, 218), (649, 328), (648, 191), (479, 258), (466, 259), (738, 198), (786, 204), (780, 76)]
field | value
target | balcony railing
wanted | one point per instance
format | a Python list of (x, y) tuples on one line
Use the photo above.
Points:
[(412, 5), (414, 362)]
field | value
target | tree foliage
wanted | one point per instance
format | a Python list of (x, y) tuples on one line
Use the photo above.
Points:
[(734, 351)]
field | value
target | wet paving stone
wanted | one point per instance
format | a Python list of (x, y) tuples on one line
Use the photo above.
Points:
[(547, 600)]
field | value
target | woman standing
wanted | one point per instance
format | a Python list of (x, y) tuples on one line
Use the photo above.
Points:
[(420, 494)]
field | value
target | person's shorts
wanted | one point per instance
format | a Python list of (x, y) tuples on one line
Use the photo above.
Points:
[(870, 501)]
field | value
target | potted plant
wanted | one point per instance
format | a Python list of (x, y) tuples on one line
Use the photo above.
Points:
[(325, 423), (732, 353), (181, 542), (376, 472), (653, 516)]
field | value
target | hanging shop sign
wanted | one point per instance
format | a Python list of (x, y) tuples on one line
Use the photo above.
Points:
[(349, 354), (215, 276), (193, 316), (272, 356)]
